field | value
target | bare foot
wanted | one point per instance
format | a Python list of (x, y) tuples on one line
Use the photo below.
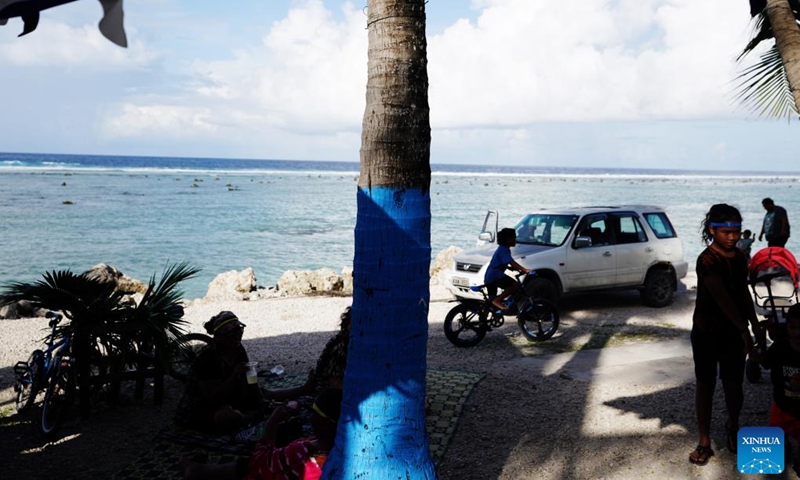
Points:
[(499, 304)]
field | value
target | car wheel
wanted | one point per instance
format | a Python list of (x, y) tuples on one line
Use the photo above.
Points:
[(542, 288), (658, 288)]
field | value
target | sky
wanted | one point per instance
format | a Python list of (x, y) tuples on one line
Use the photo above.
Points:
[(572, 83)]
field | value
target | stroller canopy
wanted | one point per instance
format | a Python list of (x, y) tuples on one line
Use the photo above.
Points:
[(772, 262)]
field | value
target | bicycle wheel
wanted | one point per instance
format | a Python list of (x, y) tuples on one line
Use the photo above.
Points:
[(27, 383), (538, 320), (183, 353), (59, 397), (463, 326)]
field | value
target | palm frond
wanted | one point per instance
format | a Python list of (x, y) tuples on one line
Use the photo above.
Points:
[(161, 307), (161, 303), (61, 290), (762, 30), (764, 89)]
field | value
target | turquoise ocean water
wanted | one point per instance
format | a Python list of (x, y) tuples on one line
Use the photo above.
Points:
[(139, 214)]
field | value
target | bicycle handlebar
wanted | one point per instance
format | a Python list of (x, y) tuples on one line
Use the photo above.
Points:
[(55, 318)]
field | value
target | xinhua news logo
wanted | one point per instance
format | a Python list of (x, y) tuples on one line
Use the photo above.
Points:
[(760, 450)]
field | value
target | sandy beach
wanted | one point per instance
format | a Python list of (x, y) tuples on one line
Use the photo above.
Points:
[(610, 396)]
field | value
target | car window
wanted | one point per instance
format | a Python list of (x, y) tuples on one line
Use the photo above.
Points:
[(628, 229), (542, 229), (660, 224), (596, 228)]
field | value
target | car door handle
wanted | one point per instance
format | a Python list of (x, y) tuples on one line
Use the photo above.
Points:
[(648, 249), (607, 254)]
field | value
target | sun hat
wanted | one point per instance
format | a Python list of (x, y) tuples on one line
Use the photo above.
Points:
[(220, 320)]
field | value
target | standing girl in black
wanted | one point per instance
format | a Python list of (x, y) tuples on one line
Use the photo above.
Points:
[(720, 334)]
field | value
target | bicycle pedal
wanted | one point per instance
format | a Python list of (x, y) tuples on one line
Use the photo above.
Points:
[(21, 368)]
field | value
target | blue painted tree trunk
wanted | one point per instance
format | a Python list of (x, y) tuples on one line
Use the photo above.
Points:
[(381, 432)]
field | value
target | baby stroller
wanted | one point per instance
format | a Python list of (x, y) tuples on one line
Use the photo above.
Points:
[(773, 277)]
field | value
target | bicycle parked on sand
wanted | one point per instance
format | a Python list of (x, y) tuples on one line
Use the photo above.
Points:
[(468, 322), (52, 371)]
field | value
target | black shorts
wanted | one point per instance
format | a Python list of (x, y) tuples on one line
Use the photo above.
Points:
[(723, 348), (505, 283)]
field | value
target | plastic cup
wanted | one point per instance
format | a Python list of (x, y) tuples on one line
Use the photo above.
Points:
[(252, 373)]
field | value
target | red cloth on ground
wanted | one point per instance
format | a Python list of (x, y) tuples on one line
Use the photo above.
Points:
[(292, 462)]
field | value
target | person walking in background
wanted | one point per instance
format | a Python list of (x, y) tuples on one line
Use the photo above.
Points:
[(776, 224), (745, 243), (720, 335)]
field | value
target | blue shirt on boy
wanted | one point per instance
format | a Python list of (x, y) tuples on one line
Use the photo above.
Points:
[(497, 267)]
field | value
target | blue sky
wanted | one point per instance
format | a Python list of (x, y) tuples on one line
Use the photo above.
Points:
[(607, 83)]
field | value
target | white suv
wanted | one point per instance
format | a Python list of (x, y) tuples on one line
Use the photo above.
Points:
[(585, 249)]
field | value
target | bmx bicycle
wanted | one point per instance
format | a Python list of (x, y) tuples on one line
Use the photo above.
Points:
[(468, 322)]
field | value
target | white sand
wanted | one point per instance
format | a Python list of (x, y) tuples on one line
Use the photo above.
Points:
[(619, 412)]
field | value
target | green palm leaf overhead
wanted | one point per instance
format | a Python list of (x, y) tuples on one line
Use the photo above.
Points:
[(763, 88)]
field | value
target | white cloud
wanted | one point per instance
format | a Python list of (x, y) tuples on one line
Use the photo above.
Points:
[(523, 61), (160, 121), (315, 69), (496, 83), (56, 44), (307, 76), (526, 61)]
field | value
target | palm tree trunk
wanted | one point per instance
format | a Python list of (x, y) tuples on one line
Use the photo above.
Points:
[(787, 39), (382, 429)]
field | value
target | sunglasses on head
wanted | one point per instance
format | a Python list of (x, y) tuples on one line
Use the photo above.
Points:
[(231, 329)]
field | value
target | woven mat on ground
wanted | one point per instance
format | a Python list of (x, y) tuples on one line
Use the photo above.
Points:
[(161, 461), (447, 392)]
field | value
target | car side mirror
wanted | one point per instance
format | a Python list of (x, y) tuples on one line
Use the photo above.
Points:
[(583, 242), (487, 237)]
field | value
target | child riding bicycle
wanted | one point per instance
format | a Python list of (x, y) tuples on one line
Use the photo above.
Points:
[(496, 272)]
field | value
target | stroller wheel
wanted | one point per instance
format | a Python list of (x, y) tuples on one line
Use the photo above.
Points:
[(752, 370)]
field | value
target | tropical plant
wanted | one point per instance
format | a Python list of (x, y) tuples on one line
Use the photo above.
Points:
[(101, 323), (771, 86), (161, 308), (382, 428)]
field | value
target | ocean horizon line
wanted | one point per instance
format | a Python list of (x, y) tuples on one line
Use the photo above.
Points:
[(13, 161)]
